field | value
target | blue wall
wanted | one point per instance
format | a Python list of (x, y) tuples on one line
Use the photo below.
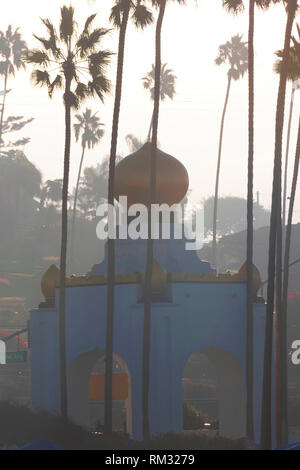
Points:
[(201, 316)]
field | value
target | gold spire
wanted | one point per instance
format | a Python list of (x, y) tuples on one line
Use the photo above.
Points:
[(256, 276), (159, 279), (49, 281)]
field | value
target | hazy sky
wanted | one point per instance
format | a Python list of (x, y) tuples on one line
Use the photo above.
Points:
[(188, 126)]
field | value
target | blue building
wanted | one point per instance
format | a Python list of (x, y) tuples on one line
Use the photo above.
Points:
[(193, 310)]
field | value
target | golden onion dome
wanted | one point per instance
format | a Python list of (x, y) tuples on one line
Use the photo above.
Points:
[(132, 177), (49, 281)]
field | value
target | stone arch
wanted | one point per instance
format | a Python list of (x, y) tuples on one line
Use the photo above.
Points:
[(230, 391), (78, 386)]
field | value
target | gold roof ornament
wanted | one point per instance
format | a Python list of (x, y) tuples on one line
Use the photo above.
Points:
[(159, 279), (242, 275), (49, 281), (132, 177)]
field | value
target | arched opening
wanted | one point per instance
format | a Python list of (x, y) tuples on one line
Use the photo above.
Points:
[(213, 394), (199, 393), (86, 383)]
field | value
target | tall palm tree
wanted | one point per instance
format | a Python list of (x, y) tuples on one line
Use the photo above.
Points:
[(234, 53), (167, 86), (236, 6), (74, 57), (12, 50), (89, 128), (161, 4), (285, 283), (141, 17), (294, 77), (293, 74), (275, 229)]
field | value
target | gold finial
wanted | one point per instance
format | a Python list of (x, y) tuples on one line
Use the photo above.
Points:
[(49, 281), (256, 276), (159, 279)]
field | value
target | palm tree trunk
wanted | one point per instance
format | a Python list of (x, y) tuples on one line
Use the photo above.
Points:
[(63, 260), (75, 205), (277, 318), (150, 129), (287, 156), (284, 378), (279, 356), (149, 260), (266, 415), (110, 242), (3, 105), (214, 242), (250, 293)]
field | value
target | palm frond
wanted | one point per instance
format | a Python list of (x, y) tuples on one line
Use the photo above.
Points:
[(88, 24), (70, 99), (77, 128), (141, 16), (56, 84), (40, 78), (116, 15), (98, 61), (37, 56), (67, 24), (82, 91), (21, 142), (234, 6), (88, 42), (265, 4), (3, 66), (100, 86)]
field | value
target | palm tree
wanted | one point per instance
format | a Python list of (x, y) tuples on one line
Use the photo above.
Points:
[(90, 129), (294, 77), (74, 57), (235, 53), (141, 17), (286, 265), (167, 86), (293, 74), (12, 50), (275, 238), (152, 198), (236, 6)]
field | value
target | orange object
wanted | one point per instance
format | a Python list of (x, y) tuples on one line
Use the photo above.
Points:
[(119, 386)]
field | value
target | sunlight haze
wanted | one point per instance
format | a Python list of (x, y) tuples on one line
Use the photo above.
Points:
[(189, 125)]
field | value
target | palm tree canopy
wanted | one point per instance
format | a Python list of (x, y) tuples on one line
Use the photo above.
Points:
[(294, 59), (235, 53), (296, 42), (237, 6), (89, 127), (51, 191), (75, 56), (167, 82), (12, 50), (140, 14), (133, 142)]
